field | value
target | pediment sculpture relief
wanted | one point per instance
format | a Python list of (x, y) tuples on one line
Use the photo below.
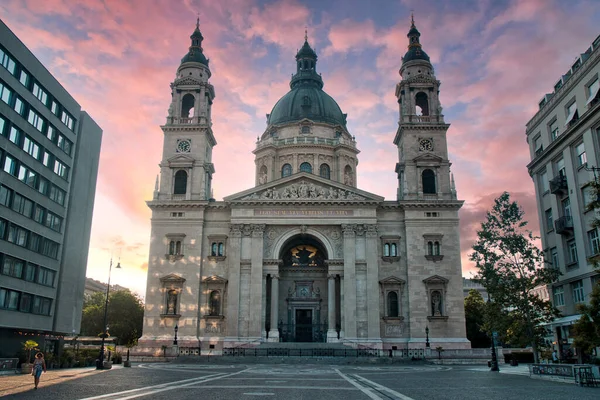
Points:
[(304, 191)]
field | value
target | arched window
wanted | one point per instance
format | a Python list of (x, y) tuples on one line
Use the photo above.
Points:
[(392, 300), (394, 250), (187, 106), (306, 167), (286, 170), (428, 178), (436, 248), (386, 250), (178, 248), (172, 247), (422, 104), (430, 248), (213, 249), (324, 171), (221, 250), (214, 305), (180, 182)]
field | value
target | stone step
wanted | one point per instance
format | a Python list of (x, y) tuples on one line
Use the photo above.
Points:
[(301, 345)]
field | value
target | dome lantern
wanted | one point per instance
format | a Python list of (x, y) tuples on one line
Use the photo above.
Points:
[(195, 52), (415, 50)]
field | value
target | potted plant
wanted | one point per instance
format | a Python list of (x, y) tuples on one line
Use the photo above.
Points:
[(28, 346), (107, 362)]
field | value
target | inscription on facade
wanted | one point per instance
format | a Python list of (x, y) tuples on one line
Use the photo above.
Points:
[(305, 213)]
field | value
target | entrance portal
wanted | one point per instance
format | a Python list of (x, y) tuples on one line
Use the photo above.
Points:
[(304, 325)]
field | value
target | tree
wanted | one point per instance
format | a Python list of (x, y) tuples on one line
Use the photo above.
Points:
[(125, 315), (510, 266), (586, 331), (474, 315)]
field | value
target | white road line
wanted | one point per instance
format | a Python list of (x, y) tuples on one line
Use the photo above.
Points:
[(363, 389), (258, 394), (272, 387), (383, 388), (162, 387), (151, 387)]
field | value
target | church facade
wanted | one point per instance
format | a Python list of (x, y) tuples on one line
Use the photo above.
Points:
[(305, 255)]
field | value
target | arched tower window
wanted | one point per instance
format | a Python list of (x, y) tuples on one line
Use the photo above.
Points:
[(422, 104), (180, 182), (348, 176), (214, 303), (178, 247), (213, 249), (430, 248), (393, 250), (436, 248), (428, 178), (306, 167), (187, 105), (325, 171), (221, 250), (392, 300), (286, 170), (172, 247)]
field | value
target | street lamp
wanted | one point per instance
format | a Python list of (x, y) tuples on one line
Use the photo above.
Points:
[(104, 326), (175, 338), (494, 362), (427, 336)]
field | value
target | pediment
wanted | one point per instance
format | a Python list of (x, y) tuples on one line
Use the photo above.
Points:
[(180, 160), (421, 79), (428, 158), (187, 80), (172, 278), (392, 280), (435, 279), (214, 279), (302, 187)]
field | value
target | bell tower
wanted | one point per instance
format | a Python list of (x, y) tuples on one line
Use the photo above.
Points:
[(186, 168), (423, 168)]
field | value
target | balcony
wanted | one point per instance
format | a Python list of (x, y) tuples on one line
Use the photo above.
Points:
[(422, 119), (558, 184), (564, 225)]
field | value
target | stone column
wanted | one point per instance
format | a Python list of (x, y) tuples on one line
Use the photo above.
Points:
[(256, 286), (331, 333), (263, 315), (350, 275), (372, 285), (274, 332), (233, 292), (342, 302)]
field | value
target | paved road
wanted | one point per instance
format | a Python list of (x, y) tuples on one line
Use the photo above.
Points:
[(305, 382)]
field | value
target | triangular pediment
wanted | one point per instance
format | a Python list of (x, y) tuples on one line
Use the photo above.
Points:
[(180, 160), (214, 279), (302, 187), (392, 280), (436, 279), (187, 80), (172, 278), (427, 158)]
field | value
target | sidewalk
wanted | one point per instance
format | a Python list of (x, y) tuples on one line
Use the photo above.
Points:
[(18, 383)]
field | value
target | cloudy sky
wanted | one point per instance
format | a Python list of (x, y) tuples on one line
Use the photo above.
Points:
[(495, 60)]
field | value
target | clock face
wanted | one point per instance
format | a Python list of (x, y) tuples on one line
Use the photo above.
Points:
[(425, 145), (183, 146)]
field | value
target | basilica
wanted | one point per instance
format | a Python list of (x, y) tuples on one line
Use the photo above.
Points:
[(305, 255)]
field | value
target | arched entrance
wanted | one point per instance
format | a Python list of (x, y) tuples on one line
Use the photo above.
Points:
[(301, 298)]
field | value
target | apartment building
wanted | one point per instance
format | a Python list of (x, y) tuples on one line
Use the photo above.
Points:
[(564, 143), (49, 154)]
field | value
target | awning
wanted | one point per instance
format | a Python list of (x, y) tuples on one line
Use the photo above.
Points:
[(572, 112), (569, 320), (593, 91)]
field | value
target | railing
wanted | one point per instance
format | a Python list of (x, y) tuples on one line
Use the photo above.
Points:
[(303, 332), (350, 353), (186, 121), (563, 224), (558, 184), (422, 118), (306, 140)]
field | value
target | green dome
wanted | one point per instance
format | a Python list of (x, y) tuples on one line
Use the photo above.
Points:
[(307, 101), (415, 53), (195, 56)]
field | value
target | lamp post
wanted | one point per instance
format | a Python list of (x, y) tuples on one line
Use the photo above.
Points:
[(175, 338), (104, 326), (427, 336), (494, 362)]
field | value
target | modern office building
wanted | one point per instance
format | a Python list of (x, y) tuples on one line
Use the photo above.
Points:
[(564, 142), (49, 153)]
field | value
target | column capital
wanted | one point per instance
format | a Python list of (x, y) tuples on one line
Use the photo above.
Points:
[(348, 230), (258, 230), (236, 230), (371, 230), (331, 276), (275, 276)]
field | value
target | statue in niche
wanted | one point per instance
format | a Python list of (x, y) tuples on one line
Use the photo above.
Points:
[(436, 300), (171, 302), (171, 110), (262, 178), (348, 178)]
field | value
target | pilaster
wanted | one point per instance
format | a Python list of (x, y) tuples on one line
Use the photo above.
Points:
[(350, 276), (233, 300), (372, 283), (256, 280)]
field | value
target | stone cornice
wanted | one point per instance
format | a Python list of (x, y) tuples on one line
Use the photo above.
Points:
[(448, 204)]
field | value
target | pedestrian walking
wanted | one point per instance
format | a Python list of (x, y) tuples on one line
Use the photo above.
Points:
[(39, 366), (554, 357)]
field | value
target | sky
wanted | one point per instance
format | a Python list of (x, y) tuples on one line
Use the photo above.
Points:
[(495, 59)]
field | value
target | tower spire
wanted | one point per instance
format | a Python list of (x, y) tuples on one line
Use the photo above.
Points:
[(305, 34)]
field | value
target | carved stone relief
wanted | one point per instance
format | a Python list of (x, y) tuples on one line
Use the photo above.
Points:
[(304, 191)]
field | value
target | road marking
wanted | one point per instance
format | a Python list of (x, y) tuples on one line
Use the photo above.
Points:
[(258, 394), (382, 388), (163, 387), (275, 381), (367, 391)]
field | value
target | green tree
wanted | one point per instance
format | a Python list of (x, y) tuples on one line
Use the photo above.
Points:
[(125, 315), (510, 266), (474, 316), (586, 331)]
